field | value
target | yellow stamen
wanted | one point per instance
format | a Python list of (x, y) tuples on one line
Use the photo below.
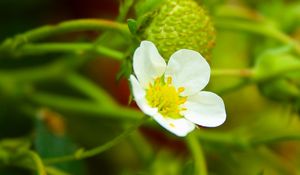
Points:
[(182, 100), (172, 125), (181, 89), (165, 97), (157, 80), (169, 80)]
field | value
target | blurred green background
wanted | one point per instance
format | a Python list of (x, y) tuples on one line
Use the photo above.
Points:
[(69, 99)]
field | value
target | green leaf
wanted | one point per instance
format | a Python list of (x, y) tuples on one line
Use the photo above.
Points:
[(278, 74), (50, 145), (275, 63), (132, 25)]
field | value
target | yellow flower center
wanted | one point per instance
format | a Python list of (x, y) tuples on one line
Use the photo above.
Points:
[(165, 97)]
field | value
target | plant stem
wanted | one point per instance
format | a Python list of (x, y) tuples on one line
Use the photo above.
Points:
[(232, 139), (80, 48), (277, 74), (252, 73), (63, 27), (258, 28), (224, 138), (52, 70), (248, 73), (38, 162), (275, 138), (199, 158), (54, 171), (29, 165), (142, 147), (90, 89), (81, 154), (76, 105)]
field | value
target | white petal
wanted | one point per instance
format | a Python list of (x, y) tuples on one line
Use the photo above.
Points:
[(180, 127), (147, 63), (205, 109), (188, 69), (139, 96)]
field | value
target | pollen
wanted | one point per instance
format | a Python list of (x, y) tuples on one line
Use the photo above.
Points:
[(169, 80), (172, 125), (181, 89), (166, 98)]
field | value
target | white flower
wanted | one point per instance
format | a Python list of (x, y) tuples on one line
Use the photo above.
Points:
[(171, 94)]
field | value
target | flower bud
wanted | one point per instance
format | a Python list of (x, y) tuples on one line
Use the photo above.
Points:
[(179, 24)]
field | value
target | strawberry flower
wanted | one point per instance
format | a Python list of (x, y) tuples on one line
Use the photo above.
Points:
[(171, 93)]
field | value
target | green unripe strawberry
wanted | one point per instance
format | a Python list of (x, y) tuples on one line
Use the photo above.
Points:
[(179, 24)]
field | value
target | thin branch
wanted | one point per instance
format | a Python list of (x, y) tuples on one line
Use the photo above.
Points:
[(81, 154), (80, 48), (198, 154)]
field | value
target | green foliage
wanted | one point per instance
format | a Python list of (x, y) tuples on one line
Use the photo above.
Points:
[(273, 71)]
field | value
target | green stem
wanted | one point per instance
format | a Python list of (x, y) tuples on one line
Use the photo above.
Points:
[(261, 77), (224, 138), (90, 89), (63, 27), (142, 147), (275, 138), (82, 106), (38, 162), (252, 73), (216, 137), (233, 88), (55, 171), (248, 73), (52, 70), (80, 48), (90, 153), (28, 165), (199, 158), (232, 139), (258, 28)]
